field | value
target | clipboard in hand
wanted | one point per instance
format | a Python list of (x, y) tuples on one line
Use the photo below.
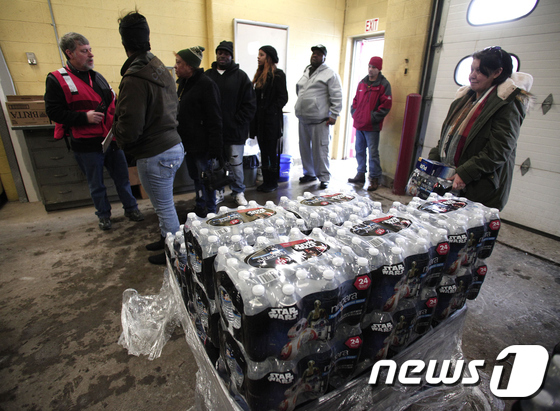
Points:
[(107, 141)]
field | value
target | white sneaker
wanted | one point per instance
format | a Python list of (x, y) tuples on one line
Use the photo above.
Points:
[(240, 199), (219, 196)]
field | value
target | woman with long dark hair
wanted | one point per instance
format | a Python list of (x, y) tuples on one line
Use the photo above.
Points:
[(268, 123), (479, 135)]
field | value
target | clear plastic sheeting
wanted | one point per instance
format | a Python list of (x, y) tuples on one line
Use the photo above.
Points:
[(441, 343), (149, 321)]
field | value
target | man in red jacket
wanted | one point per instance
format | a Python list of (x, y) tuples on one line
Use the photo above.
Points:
[(370, 106)]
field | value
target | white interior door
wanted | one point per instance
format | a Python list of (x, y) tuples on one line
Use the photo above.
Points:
[(364, 50)]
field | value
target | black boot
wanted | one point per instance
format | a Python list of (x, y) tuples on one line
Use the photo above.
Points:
[(158, 259), (270, 181), (158, 245)]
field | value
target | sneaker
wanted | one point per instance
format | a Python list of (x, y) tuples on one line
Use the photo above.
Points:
[(307, 179), (219, 196), (105, 223), (323, 185), (240, 199), (134, 215), (360, 178)]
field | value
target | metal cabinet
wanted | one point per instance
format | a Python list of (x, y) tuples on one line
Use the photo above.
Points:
[(61, 182)]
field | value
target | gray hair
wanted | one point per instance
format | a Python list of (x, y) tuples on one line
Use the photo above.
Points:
[(69, 40)]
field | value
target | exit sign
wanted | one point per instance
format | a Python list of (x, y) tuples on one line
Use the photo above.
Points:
[(371, 25)]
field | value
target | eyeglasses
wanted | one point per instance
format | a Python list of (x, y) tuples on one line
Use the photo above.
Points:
[(494, 49)]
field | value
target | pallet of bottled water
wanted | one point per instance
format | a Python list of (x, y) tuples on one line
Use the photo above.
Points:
[(293, 300)]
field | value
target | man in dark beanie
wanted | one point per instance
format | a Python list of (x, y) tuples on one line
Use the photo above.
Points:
[(145, 124), (200, 123), (238, 108)]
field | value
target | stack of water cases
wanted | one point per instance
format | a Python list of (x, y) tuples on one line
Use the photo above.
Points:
[(293, 300)]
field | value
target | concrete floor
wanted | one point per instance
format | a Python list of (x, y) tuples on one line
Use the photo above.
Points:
[(62, 280)]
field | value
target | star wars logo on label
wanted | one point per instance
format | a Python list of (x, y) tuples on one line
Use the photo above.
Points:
[(384, 328), (283, 313), (397, 269), (457, 239), (448, 289), (256, 211), (282, 378), (306, 245), (526, 375)]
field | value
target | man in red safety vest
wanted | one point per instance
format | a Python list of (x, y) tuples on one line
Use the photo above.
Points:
[(82, 104)]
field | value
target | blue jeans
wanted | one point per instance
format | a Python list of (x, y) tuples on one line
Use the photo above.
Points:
[(92, 165), (157, 174), (368, 140), (234, 155), (196, 164)]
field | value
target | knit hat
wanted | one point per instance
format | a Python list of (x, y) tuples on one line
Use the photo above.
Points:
[(270, 51), (135, 32), (192, 56), (376, 62), (225, 45), (321, 48)]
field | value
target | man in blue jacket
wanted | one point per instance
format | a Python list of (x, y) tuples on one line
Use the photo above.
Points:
[(370, 106), (318, 106)]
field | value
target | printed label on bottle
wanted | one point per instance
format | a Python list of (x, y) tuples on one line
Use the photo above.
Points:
[(327, 199), (294, 252), (381, 226), (442, 206), (241, 217)]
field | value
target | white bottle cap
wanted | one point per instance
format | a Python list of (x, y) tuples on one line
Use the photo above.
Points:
[(248, 230), (204, 231), (301, 274), (327, 224), (288, 289), (248, 249), (362, 262), (374, 252), (317, 231), (223, 249), (313, 215), (341, 231), (258, 290), (396, 250), (269, 230), (212, 239), (244, 275), (328, 275), (337, 261), (210, 215), (280, 221), (235, 238), (356, 240)]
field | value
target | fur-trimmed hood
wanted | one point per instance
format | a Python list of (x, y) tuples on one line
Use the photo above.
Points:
[(520, 80)]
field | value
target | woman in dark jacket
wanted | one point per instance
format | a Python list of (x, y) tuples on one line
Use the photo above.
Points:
[(479, 135), (268, 123)]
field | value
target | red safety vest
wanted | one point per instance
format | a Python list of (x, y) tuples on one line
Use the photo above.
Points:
[(81, 96)]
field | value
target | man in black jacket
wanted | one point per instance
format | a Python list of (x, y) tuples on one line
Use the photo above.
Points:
[(200, 122), (238, 108)]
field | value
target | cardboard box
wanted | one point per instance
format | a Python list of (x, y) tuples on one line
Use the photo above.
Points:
[(27, 110)]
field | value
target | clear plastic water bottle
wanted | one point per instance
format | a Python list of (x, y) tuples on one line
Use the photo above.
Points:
[(303, 226), (258, 302), (169, 246), (288, 296), (314, 220), (387, 281), (446, 295), (478, 272), (405, 319), (249, 234), (237, 242), (271, 234), (425, 307), (377, 328), (492, 228), (329, 228)]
